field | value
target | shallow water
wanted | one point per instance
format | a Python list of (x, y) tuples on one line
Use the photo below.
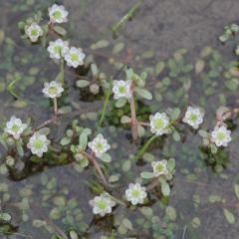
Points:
[(162, 27)]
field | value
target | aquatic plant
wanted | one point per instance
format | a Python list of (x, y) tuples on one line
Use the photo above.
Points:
[(84, 145)]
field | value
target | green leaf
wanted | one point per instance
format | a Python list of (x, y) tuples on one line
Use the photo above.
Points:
[(114, 178), (83, 139), (120, 102), (236, 189), (94, 69), (147, 212), (159, 67), (38, 223), (106, 158), (82, 83), (55, 214), (141, 131), (199, 66), (44, 131), (118, 48), (229, 216), (147, 175), (144, 93), (20, 148), (232, 84), (73, 235), (148, 54), (165, 188), (213, 148), (144, 75), (127, 223), (203, 133), (125, 119), (176, 136), (65, 141), (148, 157), (100, 44), (126, 166), (171, 213), (196, 222), (171, 164), (60, 30), (175, 113), (214, 198)]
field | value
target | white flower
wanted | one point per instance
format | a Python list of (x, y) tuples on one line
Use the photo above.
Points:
[(193, 117), (52, 89), (135, 193), (160, 168), (221, 136), (159, 124), (122, 89), (33, 31), (58, 49), (74, 57), (102, 204), (38, 144), (15, 127), (58, 14), (99, 145)]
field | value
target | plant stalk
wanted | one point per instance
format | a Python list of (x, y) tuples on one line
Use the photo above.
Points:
[(62, 71), (105, 106), (93, 160), (55, 106), (134, 121), (145, 147)]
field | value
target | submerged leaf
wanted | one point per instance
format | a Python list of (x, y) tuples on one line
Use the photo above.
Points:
[(120, 103), (60, 30), (236, 189), (82, 83), (147, 175), (100, 44), (229, 216), (144, 94), (165, 188), (159, 67)]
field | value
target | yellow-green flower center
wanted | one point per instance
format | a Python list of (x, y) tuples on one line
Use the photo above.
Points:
[(99, 146), (221, 136), (52, 90), (57, 49), (74, 57), (57, 14), (38, 144), (159, 123), (15, 128), (160, 168), (193, 117), (102, 204), (34, 32), (135, 193), (122, 89)]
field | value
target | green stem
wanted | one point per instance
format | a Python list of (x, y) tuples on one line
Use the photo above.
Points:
[(93, 160), (145, 147), (134, 122), (55, 106), (11, 88), (62, 72), (105, 106), (118, 200), (129, 15)]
